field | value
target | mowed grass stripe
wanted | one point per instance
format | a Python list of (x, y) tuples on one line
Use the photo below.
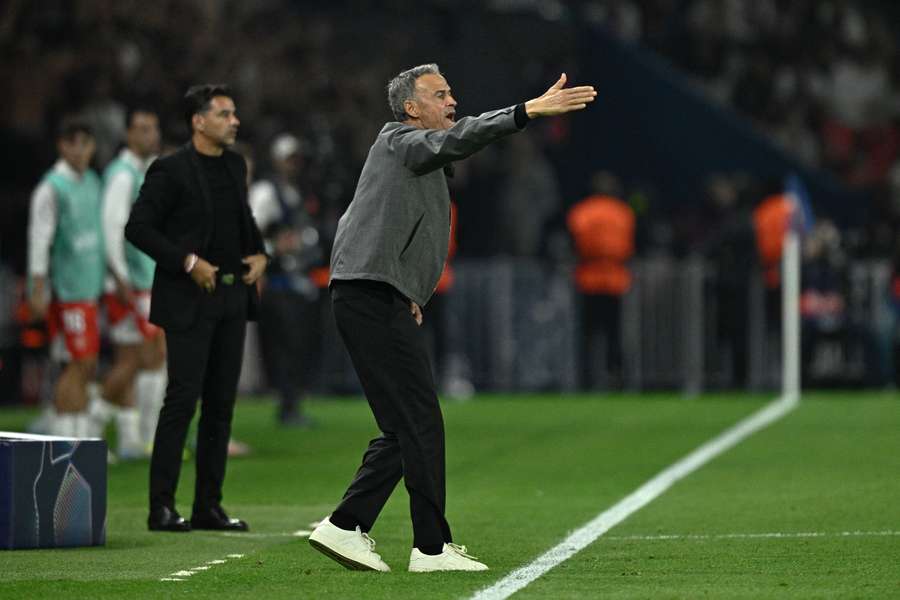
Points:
[(522, 471), (830, 466), (636, 500)]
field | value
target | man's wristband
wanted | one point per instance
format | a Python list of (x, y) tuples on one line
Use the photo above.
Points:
[(190, 262)]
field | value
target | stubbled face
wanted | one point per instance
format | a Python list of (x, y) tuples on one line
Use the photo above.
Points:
[(219, 123), (143, 134), (434, 106), (78, 151)]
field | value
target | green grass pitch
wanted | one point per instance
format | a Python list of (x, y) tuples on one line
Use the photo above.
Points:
[(523, 471)]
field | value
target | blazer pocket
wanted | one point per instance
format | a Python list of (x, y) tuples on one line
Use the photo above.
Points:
[(412, 236)]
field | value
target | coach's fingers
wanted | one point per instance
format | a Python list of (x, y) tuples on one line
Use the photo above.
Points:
[(560, 83), (416, 312), (583, 96)]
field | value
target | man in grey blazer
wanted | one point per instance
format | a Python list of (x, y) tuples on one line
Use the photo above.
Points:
[(387, 258)]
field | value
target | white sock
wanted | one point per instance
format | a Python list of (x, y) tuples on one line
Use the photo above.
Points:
[(72, 425), (83, 425), (44, 423), (99, 410), (151, 391), (63, 424), (127, 421)]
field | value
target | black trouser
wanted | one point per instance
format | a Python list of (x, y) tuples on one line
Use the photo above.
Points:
[(203, 361), (436, 330), (601, 326), (289, 336), (731, 323), (389, 353)]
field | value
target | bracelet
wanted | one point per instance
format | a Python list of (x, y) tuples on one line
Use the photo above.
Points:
[(191, 262)]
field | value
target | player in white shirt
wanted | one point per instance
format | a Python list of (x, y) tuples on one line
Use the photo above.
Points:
[(135, 384)]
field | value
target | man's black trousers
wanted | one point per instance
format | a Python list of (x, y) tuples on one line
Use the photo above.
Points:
[(204, 361), (388, 350)]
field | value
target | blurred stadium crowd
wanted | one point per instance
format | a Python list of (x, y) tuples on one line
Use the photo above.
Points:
[(818, 79)]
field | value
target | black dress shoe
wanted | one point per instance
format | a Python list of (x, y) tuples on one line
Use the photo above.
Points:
[(216, 519), (166, 519)]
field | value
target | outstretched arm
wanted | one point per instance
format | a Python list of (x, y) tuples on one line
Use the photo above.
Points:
[(559, 99), (424, 150)]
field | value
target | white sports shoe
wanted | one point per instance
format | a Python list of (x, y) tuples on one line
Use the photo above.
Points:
[(453, 558), (353, 549)]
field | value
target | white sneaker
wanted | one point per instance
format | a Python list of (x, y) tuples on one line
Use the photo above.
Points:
[(453, 558), (353, 549)]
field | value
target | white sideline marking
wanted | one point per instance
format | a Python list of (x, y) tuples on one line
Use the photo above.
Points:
[(299, 533), (182, 575), (649, 491), (742, 536)]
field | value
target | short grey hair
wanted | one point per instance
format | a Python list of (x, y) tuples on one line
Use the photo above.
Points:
[(403, 87)]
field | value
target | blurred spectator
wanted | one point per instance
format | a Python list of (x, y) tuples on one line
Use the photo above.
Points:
[(450, 368), (771, 218), (529, 198), (819, 78), (730, 247), (602, 228), (823, 304), (289, 320)]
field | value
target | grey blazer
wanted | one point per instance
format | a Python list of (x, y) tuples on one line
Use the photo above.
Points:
[(397, 228)]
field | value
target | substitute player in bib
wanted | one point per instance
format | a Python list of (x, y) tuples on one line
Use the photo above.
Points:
[(136, 382), (66, 269)]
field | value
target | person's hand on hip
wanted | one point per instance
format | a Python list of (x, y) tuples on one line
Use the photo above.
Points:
[(416, 312)]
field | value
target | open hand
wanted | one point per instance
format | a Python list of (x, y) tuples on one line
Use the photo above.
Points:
[(559, 99)]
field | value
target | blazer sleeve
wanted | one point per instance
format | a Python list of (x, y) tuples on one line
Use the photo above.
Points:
[(425, 150), (145, 224)]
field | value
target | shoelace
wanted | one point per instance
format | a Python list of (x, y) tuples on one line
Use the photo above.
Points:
[(365, 537), (461, 550)]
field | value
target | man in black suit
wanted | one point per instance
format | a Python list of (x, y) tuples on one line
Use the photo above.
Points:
[(193, 219)]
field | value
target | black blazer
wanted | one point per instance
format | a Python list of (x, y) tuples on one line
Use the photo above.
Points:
[(173, 217)]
